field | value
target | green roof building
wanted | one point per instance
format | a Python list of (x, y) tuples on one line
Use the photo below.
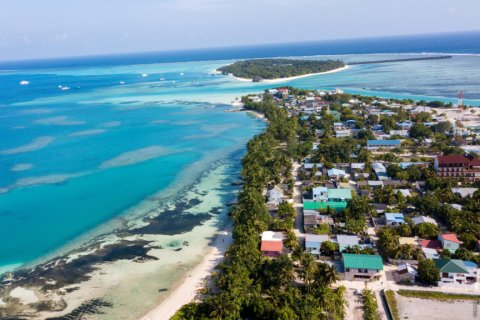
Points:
[(339, 194), (451, 266), (311, 205), (336, 199), (457, 272), (362, 266)]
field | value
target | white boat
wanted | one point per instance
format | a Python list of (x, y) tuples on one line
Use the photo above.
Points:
[(65, 88), (162, 79), (181, 73), (122, 82), (24, 82), (144, 75)]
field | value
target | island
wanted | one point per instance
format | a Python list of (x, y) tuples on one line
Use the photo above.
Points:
[(258, 70)]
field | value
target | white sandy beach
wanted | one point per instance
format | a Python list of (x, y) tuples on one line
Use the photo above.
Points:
[(290, 78), (193, 282)]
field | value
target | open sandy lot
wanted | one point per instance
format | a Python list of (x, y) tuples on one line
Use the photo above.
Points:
[(414, 308)]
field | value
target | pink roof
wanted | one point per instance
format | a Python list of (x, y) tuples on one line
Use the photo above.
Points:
[(272, 246), (432, 244), (452, 237)]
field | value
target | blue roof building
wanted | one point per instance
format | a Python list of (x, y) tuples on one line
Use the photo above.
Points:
[(383, 144), (394, 219)]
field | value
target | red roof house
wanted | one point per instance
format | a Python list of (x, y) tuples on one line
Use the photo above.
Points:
[(449, 241), (431, 244), (271, 248)]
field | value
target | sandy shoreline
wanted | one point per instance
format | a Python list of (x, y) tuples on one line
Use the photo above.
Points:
[(194, 281), (290, 78)]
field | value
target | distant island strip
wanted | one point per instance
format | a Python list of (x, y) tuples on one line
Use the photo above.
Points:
[(258, 70), (401, 60)]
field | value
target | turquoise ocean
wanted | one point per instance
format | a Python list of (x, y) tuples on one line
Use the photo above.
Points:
[(88, 139)]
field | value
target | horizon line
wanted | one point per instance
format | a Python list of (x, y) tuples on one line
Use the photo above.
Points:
[(120, 54)]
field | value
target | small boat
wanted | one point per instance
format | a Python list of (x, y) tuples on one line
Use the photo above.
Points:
[(182, 74), (144, 75), (24, 82), (122, 82), (162, 79)]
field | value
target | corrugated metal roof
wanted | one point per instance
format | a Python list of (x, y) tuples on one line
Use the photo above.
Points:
[(362, 261)]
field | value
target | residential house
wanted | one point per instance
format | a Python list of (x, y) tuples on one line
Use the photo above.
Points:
[(394, 219), (362, 266), (350, 124), (380, 207), (449, 241), (383, 144), (344, 241), (338, 126), (423, 219), (431, 244), (456, 273), (310, 221), (272, 243), (405, 125), (337, 174), (320, 194), (343, 133), (430, 253), (313, 242), (375, 184), (458, 167), (401, 133), (275, 196), (412, 241), (357, 166), (336, 199), (405, 192), (406, 272), (380, 170), (464, 192)]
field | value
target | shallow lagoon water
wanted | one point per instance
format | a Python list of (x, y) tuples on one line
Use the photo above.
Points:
[(73, 160)]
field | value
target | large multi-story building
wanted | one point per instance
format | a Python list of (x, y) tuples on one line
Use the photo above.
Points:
[(462, 167)]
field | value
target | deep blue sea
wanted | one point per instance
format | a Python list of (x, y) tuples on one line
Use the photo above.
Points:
[(89, 138)]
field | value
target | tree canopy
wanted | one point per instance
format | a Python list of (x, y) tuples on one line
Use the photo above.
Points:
[(279, 68)]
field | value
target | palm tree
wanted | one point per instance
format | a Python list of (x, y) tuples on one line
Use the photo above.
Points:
[(310, 267), (326, 275)]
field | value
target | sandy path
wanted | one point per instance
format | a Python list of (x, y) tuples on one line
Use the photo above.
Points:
[(187, 291)]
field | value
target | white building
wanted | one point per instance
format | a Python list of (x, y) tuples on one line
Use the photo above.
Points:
[(320, 194), (275, 196)]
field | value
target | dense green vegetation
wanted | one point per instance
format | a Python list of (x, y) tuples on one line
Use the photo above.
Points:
[(437, 295), (279, 68), (370, 306), (251, 286), (428, 272)]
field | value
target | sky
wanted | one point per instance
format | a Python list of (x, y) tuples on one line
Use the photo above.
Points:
[(31, 29)]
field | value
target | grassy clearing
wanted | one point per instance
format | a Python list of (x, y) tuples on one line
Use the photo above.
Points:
[(392, 303), (437, 295)]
